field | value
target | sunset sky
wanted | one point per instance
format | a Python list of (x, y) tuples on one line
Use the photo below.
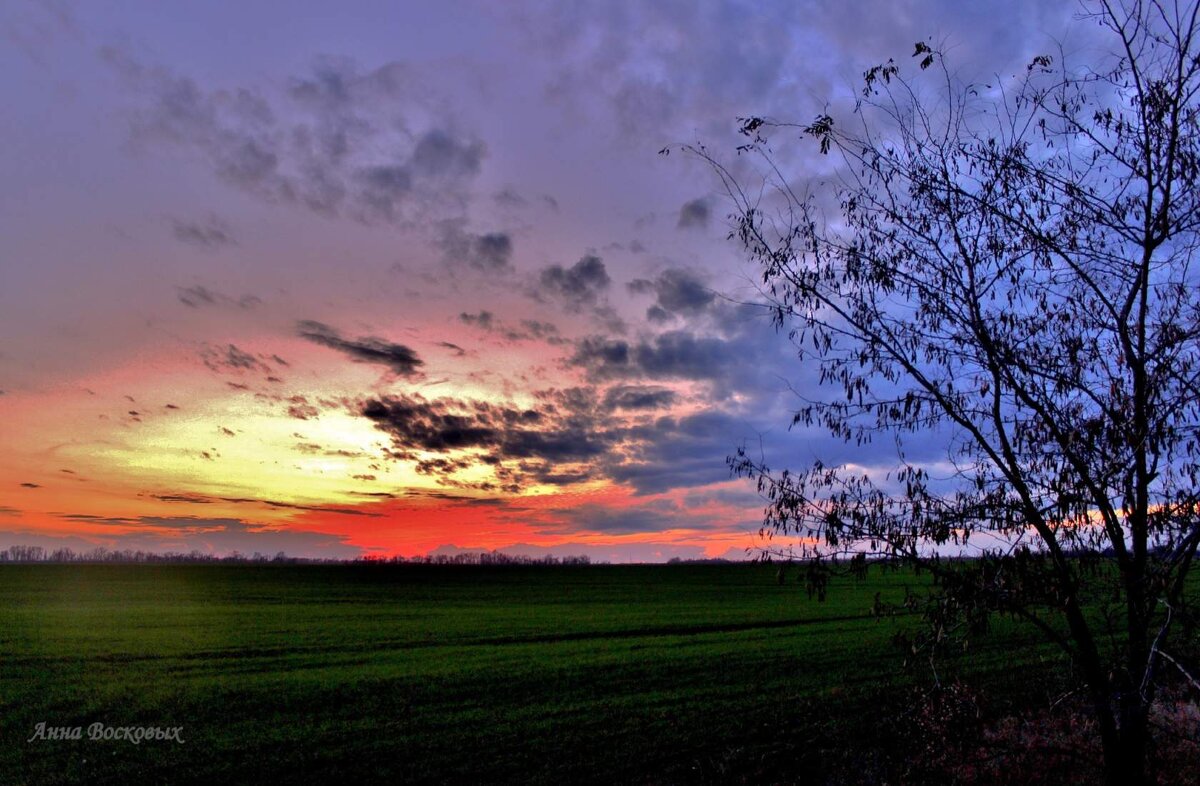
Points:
[(377, 278)]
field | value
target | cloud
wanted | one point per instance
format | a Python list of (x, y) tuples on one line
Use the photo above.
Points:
[(733, 349), (672, 70), (199, 296), (680, 452), (657, 516), (694, 214), (637, 397), (549, 444), (438, 155), (580, 288), (677, 291), (572, 435), (415, 423), (675, 354), (526, 329), (339, 141), (487, 253), (577, 286), (211, 234), (402, 360), (667, 64), (231, 358), (200, 499), (540, 330), (482, 320)]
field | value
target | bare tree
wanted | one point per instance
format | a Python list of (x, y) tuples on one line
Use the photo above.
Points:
[(1010, 265)]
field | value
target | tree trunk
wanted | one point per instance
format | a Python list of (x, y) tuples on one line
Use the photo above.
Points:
[(1125, 749)]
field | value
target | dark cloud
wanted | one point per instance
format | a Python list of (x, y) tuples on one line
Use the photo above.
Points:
[(636, 397), (211, 234), (340, 141), (487, 253), (577, 286), (677, 291), (680, 452), (694, 214), (536, 328), (655, 516), (230, 358), (526, 329), (415, 423), (604, 358), (197, 499), (458, 499), (30, 486), (734, 349), (518, 444), (571, 436), (442, 156), (402, 360), (619, 521), (482, 320), (676, 354), (191, 498), (198, 296)]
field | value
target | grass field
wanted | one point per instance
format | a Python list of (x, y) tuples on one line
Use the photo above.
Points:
[(429, 674)]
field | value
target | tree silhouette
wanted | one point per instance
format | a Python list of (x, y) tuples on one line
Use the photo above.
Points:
[(1011, 267)]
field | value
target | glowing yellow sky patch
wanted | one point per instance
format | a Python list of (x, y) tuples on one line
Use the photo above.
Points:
[(262, 458), (213, 441)]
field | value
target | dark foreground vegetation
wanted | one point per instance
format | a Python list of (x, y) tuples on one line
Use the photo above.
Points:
[(414, 673)]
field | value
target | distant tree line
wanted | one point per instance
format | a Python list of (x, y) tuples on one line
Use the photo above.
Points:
[(40, 554)]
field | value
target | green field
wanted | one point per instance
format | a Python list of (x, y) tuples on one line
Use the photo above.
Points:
[(431, 674)]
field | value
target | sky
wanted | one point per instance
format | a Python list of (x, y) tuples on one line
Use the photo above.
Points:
[(395, 278)]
